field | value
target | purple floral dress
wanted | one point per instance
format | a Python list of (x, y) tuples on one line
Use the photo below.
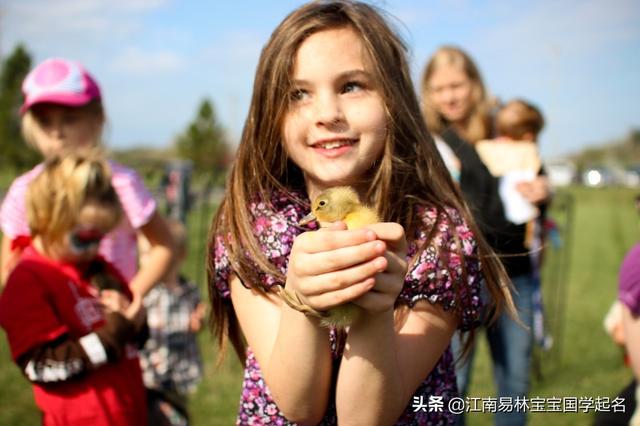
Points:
[(432, 278)]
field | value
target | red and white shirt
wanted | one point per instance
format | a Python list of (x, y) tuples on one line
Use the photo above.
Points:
[(45, 301)]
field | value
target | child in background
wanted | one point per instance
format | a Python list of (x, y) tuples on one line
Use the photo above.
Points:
[(63, 110), (170, 360), (513, 156), (333, 104), (71, 340)]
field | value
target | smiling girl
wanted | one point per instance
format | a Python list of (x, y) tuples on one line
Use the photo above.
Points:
[(333, 104)]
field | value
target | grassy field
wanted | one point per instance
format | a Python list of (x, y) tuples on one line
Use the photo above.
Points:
[(580, 284)]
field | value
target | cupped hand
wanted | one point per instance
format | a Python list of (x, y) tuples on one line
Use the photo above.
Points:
[(388, 282), (334, 265)]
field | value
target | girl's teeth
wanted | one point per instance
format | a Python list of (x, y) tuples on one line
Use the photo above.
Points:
[(333, 145)]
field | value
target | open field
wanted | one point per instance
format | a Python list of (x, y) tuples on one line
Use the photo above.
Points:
[(582, 363)]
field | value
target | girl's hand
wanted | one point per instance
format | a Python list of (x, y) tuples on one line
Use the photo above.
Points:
[(114, 301), (389, 282), (333, 266), (196, 318)]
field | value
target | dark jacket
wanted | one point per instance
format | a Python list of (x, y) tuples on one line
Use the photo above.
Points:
[(480, 190)]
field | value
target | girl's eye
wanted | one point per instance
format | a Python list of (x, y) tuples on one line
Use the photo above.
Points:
[(298, 95), (71, 118), (44, 122), (352, 86)]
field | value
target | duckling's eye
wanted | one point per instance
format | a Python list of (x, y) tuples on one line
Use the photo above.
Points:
[(322, 203)]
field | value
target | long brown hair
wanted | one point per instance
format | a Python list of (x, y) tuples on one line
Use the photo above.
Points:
[(478, 122), (410, 171)]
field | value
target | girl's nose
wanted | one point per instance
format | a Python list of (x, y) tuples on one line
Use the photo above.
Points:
[(56, 129), (328, 110), (448, 95)]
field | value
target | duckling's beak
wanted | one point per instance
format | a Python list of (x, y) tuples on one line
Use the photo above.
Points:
[(307, 219)]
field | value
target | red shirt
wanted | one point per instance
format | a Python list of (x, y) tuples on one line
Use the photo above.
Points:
[(44, 300)]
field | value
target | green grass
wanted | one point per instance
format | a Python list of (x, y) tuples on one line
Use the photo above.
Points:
[(583, 361)]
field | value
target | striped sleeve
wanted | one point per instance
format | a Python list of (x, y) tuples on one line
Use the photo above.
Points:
[(137, 202)]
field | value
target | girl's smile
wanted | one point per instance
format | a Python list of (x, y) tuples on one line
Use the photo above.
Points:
[(335, 128), (334, 147)]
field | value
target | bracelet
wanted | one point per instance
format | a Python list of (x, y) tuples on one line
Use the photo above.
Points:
[(293, 300)]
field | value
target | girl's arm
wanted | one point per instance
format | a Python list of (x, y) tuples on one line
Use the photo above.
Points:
[(158, 260), (7, 259), (66, 358), (632, 337), (381, 367), (292, 349), (383, 364)]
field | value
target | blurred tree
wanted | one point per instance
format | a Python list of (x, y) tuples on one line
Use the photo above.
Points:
[(204, 143), (15, 154)]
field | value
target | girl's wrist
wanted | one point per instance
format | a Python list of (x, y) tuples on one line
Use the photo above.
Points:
[(293, 302), (373, 319)]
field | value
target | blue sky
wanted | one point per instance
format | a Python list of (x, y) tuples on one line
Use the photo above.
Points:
[(157, 59)]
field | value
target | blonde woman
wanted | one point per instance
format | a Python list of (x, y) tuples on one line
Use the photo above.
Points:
[(458, 109)]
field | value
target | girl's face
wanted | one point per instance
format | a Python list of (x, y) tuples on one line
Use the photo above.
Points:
[(450, 92), (335, 128), (61, 127), (81, 243)]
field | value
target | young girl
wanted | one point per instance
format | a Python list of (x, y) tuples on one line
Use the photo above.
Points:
[(63, 110), (71, 340), (333, 104)]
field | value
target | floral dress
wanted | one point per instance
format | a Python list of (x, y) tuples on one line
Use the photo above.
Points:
[(432, 277)]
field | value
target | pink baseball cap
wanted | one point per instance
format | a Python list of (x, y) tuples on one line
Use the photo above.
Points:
[(59, 81)]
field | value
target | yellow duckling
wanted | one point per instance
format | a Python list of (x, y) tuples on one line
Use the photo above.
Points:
[(340, 203)]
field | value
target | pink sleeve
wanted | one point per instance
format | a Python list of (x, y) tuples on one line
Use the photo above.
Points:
[(13, 213), (137, 202)]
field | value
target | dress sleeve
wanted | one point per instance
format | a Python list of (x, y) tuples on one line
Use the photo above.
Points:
[(26, 314), (447, 271), (136, 200)]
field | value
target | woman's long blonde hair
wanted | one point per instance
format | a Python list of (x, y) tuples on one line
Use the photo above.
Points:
[(409, 173), (477, 125)]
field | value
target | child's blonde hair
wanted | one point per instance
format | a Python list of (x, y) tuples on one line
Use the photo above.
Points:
[(68, 181), (92, 110), (517, 118), (478, 124)]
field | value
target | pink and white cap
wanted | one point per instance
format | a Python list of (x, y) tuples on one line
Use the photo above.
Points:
[(59, 81)]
